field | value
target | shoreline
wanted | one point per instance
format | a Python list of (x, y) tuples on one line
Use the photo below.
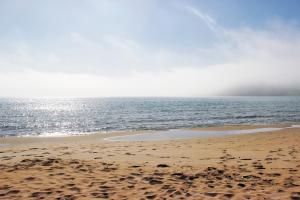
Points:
[(208, 127), (247, 166), (102, 137)]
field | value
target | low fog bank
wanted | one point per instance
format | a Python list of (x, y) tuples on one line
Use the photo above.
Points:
[(263, 91)]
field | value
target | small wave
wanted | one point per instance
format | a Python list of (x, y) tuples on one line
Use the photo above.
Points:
[(253, 116), (8, 127)]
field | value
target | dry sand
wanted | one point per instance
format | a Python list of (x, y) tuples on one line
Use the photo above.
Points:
[(253, 166)]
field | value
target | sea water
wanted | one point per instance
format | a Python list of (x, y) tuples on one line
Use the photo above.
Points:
[(71, 116)]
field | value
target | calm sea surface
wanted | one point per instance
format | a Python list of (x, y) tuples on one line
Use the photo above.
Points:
[(68, 116)]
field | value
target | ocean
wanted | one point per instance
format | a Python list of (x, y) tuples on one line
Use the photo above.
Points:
[(73, 116)]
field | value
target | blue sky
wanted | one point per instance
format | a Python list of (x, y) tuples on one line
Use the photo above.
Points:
[(153, 23), (148, 48)]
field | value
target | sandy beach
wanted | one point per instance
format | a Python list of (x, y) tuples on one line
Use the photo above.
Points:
[(249, 166), (149, 100)]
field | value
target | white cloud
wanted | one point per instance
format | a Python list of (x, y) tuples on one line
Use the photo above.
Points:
[(209, 22), (244, 61), (257, 62)]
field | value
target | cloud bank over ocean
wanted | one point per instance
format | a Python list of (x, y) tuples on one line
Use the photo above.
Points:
[(238, 61)]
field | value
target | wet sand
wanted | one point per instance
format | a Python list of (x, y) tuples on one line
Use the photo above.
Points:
[(250, 166)]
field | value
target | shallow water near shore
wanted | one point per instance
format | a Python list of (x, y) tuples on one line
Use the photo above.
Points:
[(186, 134)]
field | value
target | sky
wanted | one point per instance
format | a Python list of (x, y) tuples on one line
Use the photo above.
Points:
[(133, 48)]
